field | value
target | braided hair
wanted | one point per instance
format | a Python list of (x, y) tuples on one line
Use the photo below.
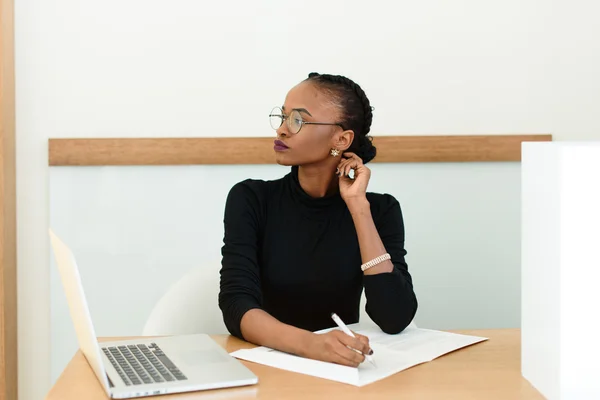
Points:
[(355, 108)]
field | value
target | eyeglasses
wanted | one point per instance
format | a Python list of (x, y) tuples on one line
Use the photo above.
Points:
[(294, 120)]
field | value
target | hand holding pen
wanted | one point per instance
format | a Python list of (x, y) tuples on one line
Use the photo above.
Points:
[(337, 347), (344, 328)]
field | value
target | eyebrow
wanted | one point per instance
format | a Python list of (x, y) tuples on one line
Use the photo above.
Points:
[(304, 110)]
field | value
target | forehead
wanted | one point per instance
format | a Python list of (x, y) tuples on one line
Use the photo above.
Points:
[(306, 95)]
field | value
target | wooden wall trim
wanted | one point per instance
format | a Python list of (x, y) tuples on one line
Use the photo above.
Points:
[(8, 219), (186, 151)]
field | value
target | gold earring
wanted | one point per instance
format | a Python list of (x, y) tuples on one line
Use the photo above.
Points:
[(335, 152)]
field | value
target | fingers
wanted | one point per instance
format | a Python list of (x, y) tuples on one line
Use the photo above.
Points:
[(345, 166), (339, 352), (338, 359), (352, 161), (344, 170), (354, 343), (348, 356), (365, 341), (350, 154), (347, 350)]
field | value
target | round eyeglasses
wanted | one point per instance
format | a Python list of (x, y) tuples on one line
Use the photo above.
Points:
[(294, 120)]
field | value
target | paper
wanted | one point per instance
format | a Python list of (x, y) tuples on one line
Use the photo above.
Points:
[(392, 354)]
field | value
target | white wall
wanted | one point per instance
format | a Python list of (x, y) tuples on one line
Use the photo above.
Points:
[(184, 68)]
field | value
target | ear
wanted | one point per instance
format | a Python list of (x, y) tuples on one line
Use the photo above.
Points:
[(343, 140)]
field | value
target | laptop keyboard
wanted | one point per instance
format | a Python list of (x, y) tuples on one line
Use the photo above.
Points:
[(141, 364)]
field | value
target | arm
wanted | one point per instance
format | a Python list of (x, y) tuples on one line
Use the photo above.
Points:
[(240, 296), (369, 240), (260, 328), (391, 301), (240, 289)]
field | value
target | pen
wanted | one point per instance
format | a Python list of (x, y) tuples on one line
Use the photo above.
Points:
[(348, 332)]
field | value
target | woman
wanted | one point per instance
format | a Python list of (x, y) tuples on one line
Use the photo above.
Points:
[(302, 247)]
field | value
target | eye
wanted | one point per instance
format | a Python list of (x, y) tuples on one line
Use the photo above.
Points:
[(275, 120)]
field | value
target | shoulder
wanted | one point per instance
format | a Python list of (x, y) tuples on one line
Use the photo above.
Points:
[(382, 200), (259, 187), (253, 191), (383, 204)]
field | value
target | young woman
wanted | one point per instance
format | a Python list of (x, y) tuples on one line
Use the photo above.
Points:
[(302, 247)]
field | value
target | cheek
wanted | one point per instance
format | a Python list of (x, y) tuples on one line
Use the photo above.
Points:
[(319, 140), (315, 148)]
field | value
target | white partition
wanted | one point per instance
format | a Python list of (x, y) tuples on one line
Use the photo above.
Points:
[(561, 268), (136, 230)]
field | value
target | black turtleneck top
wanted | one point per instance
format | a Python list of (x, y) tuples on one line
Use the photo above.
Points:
[(298, 258)]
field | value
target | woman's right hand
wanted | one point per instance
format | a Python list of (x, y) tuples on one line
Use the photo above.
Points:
[(335, 346)]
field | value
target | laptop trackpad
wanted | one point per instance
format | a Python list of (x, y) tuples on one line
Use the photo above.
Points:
[(201, 357)]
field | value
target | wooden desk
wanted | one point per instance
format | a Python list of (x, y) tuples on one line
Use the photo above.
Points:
[(488, 370)]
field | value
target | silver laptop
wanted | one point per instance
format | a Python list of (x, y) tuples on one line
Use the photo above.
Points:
[(147, 366)]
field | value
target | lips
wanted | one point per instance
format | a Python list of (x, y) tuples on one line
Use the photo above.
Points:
[(280, 146)]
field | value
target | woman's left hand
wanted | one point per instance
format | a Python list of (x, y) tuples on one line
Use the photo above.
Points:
[(353, 189)]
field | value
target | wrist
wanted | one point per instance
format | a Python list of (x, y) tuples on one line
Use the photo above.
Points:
[(304, 342), (358, 205), (384, 267)]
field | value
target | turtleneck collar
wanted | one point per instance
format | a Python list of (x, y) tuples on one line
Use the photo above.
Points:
[(306, 199)]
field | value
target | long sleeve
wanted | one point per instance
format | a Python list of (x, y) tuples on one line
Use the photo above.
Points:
[(391, 301), (240, 287)]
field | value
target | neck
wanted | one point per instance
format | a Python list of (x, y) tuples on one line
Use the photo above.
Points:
[(318, 180)]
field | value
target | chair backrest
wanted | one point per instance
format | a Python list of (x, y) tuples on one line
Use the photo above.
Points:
[(190, 305)]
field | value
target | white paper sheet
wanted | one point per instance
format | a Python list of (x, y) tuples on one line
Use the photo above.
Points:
[(392, 354)]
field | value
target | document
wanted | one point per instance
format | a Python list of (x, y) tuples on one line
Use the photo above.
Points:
[(392, 354)]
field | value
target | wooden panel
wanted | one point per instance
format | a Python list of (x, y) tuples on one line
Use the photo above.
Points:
[(453, 148), (8, 245), (180, 151)]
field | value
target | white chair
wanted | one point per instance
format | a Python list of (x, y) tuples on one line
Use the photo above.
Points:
[(190, 305)]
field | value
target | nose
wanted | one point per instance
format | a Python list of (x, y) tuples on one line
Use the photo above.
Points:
[(283, 131)]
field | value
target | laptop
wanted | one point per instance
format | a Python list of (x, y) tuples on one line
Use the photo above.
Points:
[(148, 366)]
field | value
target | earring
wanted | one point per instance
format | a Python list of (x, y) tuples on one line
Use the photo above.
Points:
[(335, 152)]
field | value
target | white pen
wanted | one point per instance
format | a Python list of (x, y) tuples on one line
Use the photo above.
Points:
[(348, 332)]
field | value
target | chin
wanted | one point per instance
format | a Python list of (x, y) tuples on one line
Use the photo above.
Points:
[(281, 159), (288, 160)]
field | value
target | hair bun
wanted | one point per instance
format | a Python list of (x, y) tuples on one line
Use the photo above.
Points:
[(366, 150)]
